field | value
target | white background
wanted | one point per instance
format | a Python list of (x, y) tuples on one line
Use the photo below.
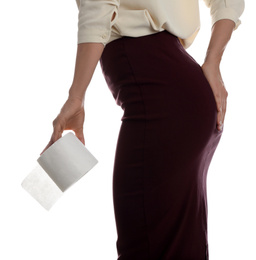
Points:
[(37, 58)]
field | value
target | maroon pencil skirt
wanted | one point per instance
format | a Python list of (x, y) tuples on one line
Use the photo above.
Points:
[(167, 139)]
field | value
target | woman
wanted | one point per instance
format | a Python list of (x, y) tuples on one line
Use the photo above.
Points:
[(174, 111)]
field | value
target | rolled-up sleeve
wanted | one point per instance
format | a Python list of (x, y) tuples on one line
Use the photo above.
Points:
[(226, 9), (95, 20)]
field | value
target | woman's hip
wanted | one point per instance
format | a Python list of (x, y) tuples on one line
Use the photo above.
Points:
[(153, 78)]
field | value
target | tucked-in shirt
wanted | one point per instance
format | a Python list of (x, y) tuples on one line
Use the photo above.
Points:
[(103, 21)]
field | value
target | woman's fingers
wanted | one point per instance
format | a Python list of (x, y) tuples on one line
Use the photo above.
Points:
[(58, 128), (220, 119), (71, 117), (222, 105), (221, 109), (213, 76), (80, 135), (57, 133)]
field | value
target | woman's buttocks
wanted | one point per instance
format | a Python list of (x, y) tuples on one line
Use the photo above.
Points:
[(156, 71)]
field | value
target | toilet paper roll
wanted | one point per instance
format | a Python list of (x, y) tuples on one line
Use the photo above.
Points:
[(41, 187), (60, 166), (66, 161)]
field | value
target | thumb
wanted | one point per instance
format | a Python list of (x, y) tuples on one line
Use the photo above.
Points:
[(80, 135)]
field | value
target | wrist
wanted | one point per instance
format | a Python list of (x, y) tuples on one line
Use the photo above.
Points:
[(213, 59), (211, 66), (74, 94)]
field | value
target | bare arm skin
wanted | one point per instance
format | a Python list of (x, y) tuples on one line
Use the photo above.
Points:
[(71, 116), (221, 34), (88, 55)]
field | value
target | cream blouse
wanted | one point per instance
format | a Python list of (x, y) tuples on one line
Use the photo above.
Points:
[(103, 21)]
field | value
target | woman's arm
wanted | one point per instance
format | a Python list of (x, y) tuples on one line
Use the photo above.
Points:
[(71, 116), (221, 34), (88, 55), (94, 29)]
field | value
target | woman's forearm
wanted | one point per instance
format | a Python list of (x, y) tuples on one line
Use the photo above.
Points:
[(221, 34), (88, 55)]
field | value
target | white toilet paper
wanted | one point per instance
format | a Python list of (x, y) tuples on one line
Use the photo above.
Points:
[(61, 165), (41, 187)]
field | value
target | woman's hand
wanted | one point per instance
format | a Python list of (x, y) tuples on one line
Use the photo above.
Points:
[(221, 34), (71, 117), (213, 75)]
